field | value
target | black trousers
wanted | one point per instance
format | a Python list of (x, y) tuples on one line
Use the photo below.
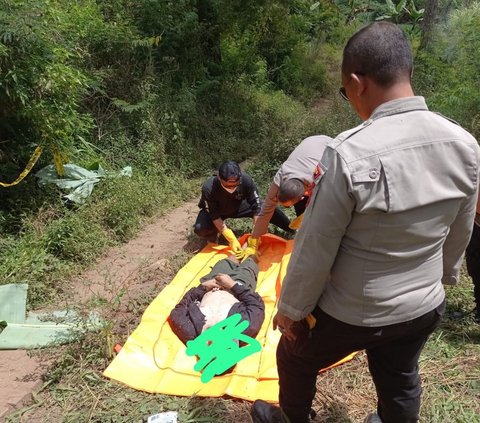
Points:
[(205, 228), (392, 351), (301, 205), (473, 262)]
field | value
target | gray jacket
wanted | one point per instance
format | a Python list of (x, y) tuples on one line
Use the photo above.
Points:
[(389, 219)]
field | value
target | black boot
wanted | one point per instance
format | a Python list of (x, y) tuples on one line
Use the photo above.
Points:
[(263, 412)]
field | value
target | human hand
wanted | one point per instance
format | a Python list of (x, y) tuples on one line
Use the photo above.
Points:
[(233, 242), (252, 248), (239, 254), (210, 284), (224, 281), (284, 325)]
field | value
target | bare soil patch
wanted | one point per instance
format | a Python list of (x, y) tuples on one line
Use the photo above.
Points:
[(123, 281)]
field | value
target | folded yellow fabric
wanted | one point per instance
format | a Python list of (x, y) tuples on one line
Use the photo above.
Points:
[(154, 360)]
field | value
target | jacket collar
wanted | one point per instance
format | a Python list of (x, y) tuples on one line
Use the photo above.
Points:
[(401, 105)]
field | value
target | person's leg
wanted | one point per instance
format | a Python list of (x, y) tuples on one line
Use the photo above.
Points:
[(301, 205), (278, 219), (225, 265), (244, 210), (473, 264), (394, 368), (299, 361), (297, 380), (281, 220), (204, 226), (246, 273)]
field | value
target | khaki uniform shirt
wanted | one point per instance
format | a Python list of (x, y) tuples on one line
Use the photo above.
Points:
[(301, 165), (388, 221)]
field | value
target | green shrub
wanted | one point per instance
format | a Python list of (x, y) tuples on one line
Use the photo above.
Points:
[(25, 260), (75, 238), (449, 73)]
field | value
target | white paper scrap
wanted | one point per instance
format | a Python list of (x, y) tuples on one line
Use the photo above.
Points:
[(167, 417)]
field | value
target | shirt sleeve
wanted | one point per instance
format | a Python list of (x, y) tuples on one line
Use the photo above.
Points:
[(211, 203), (251, 194), (317, 242), (179, 319), (252, 308), (266, 212), (457, 240)]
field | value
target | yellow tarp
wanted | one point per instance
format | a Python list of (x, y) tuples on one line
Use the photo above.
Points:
[(153, 359)]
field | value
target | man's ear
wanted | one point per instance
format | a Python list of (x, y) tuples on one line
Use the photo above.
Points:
[(359, 83)]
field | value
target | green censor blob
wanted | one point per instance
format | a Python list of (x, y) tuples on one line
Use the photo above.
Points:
[(218, 347)]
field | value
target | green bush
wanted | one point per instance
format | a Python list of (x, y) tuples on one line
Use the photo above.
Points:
[(25, 260), (75, 238), (449, 73)]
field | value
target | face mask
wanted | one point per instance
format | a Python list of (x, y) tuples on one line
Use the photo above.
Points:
[(230, 190)]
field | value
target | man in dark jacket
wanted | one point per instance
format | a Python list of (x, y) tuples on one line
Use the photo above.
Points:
[(228, 289), (230, 194)]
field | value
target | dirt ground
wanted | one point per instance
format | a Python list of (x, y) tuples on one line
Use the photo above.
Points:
[(130, 270)]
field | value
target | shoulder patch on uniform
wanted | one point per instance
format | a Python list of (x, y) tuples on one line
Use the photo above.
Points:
[(317, 172)]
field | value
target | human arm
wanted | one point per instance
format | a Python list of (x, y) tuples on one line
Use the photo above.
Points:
[(251, 194), (211, 202), (219, 224), (477, 213), (213, 209), (180, 320), (318, 240), (266, 211), (251, 308), (457, 240)]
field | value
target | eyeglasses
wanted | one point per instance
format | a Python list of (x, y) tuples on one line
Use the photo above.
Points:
[(343, 93)]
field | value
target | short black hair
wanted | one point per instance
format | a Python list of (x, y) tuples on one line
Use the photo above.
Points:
[(380, 51), (290, 189), (229, 170)]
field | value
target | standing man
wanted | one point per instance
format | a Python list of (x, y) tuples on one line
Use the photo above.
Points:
[(291, 186), (230, 194), (388, 222)]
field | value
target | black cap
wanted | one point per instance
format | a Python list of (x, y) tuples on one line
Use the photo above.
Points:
[(229, 170)]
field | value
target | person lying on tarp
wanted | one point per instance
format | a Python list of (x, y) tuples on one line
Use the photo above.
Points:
[(228, 289)]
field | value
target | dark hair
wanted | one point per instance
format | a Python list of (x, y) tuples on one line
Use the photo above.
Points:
[(380, 51), (290, 190), (229, 170)]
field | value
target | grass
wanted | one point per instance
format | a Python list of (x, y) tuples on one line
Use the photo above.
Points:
[(56, 241), (76, 391)]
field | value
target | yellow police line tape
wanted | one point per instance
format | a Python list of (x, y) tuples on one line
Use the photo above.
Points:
[(35, 156)]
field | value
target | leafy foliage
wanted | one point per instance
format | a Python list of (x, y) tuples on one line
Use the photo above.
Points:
[(449, 74)]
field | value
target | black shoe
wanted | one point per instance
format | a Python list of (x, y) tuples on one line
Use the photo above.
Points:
[(263, 412)]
